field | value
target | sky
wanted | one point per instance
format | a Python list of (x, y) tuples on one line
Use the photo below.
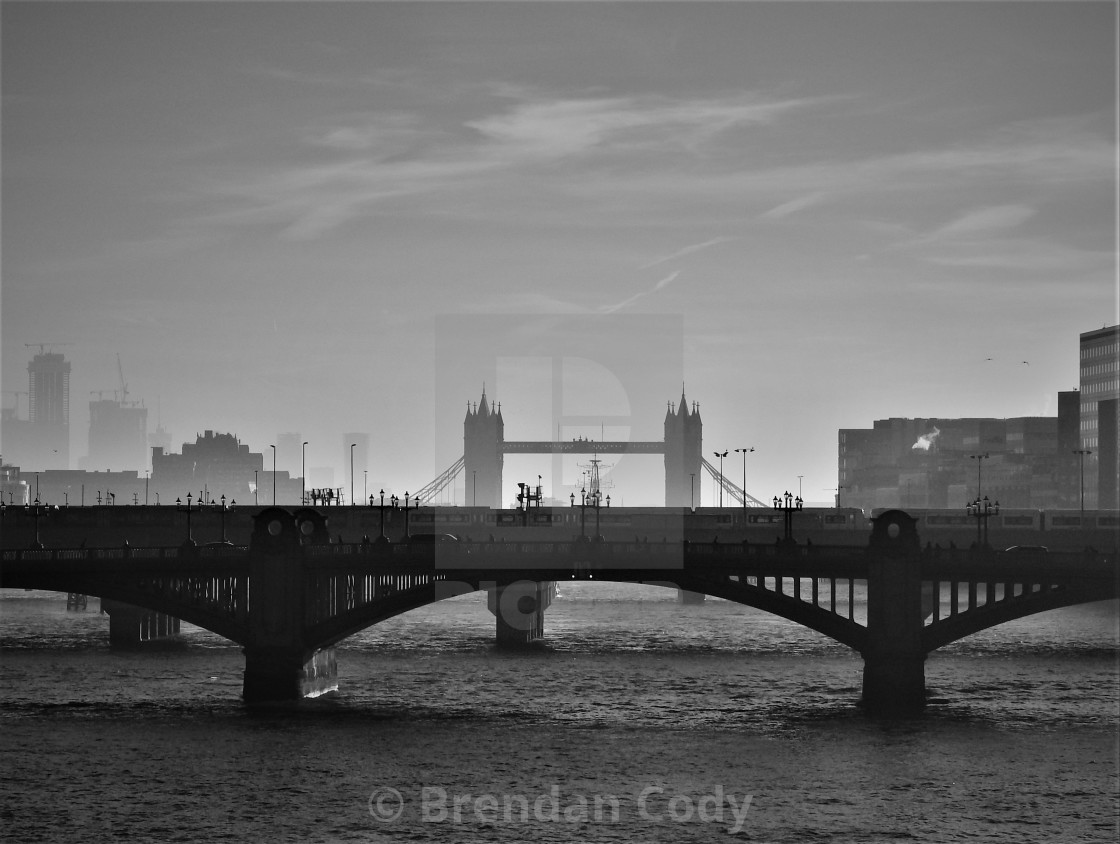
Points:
[(306, 216)]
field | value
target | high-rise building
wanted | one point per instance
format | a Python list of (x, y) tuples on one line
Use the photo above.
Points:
[(937, 463), (49, 392), (1100, 382), (118, 436), (42, 441)]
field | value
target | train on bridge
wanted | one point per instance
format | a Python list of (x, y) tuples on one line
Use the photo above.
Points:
[(1062, 529), (111, 526)]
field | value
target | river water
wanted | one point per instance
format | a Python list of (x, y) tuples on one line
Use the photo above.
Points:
[(637, 719)]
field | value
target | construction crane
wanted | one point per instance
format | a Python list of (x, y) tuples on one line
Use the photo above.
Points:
[(124, 386), (44, 345)]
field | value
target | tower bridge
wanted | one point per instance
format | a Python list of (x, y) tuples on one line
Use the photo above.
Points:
[(291, 594), (485, 447)]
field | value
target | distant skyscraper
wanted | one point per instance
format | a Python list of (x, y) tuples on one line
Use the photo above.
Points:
[(289, 453), (118, 436), (1100, 382), (43, 440), (49, 392)]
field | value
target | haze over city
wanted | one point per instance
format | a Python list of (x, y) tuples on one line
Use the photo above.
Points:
[(300, 216)]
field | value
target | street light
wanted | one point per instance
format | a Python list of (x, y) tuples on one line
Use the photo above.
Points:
[(303, 476), (188, 511), (352, 473), (692, 491), (273, 447), (256, 486), (744, 451), (416, 500), (381, 507), (979, 458), (982, 511), (721, 455), (35, 510), (222, 508), (789, 505), (583, 505), (1082, 452)]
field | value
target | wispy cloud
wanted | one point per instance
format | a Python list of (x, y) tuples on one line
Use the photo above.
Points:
[(794, 205), (984, 220), (625, 303), (557, 128), (688, 250)]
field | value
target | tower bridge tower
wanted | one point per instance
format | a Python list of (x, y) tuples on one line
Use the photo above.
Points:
[(483, 454), (683, 454)]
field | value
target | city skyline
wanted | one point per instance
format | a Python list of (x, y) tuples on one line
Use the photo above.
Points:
[(272, 212)]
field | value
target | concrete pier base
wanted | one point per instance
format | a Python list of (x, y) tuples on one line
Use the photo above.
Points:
[(894, 680), (131, 626), (519, 611), (280, 674), (894, 685)]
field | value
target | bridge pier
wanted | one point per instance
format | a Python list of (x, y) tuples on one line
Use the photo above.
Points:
[(131, 626), (285, 673), (894, 680), (278, 665), (518, 609)]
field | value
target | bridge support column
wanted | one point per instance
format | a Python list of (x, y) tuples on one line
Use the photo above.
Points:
[(894, 680), (281, 673), (519, 611), (279, 664), (131, 626)]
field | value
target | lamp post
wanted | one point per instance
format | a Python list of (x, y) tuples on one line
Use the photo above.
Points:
[(979, 458), (744, 451), (598, 502), (188, 510), (416, 501), (352, 473), (35, 511), (381, 507), (273, 447), (982, 510), (582, 512), (692, 491), (788, 505), (256, 486), (721, 455), (303, 475), (474, 487), (145, 487), (365, 482), (1082, 452), (222, 508)]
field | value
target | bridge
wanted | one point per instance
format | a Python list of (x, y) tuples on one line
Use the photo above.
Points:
[(485, 447), (291, 594)]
